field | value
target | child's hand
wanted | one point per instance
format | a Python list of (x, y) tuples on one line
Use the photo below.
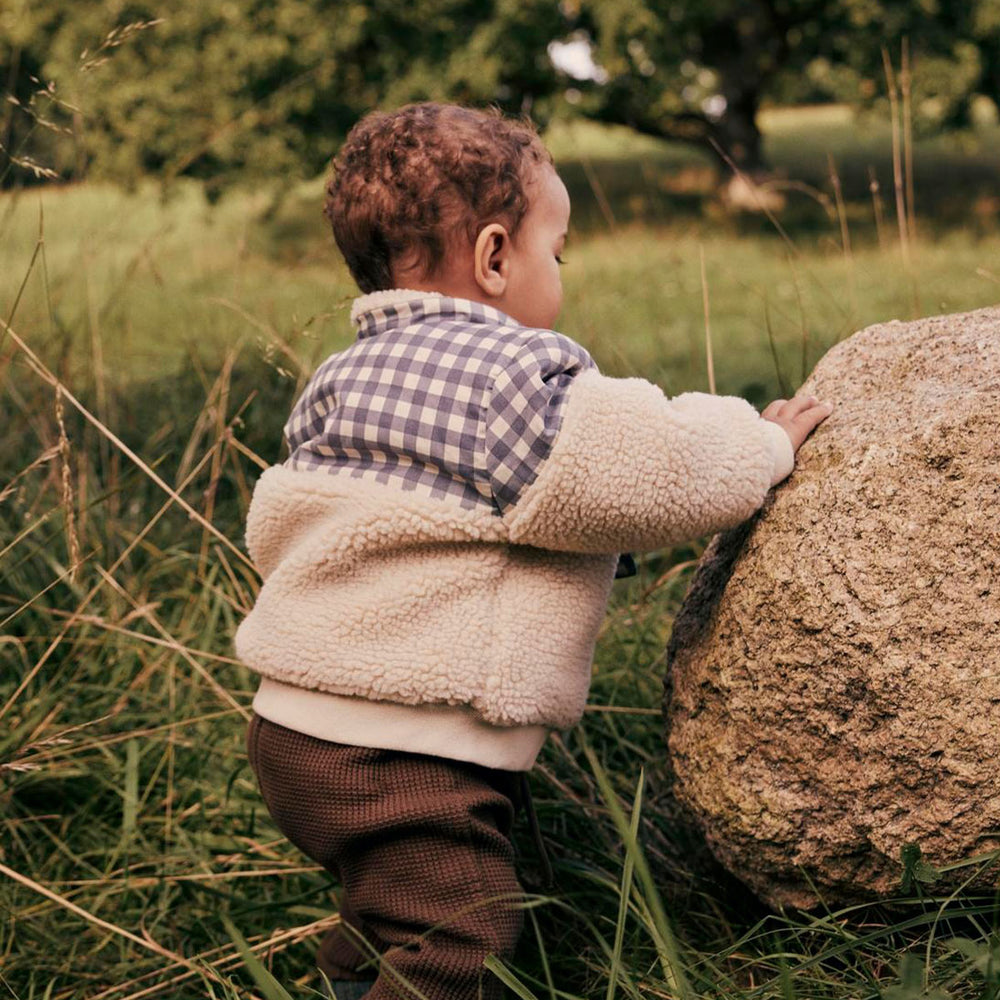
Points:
[(799, 416)]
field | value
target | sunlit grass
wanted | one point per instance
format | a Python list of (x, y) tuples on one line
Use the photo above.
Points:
[(634, 298), (152, 280)]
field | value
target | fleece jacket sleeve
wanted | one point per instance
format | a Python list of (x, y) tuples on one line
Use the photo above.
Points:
[(631, 470)]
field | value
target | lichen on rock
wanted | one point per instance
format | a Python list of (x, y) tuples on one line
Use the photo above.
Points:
[(833, 692)]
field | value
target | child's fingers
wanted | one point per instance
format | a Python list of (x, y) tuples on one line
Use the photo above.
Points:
[(812, 416), (800, 416), (799, 404)]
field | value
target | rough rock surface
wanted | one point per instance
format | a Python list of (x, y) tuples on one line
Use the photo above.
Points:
[(833, 691)]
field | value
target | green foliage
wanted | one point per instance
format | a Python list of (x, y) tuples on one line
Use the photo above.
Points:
[(266, 983), (701, 71), (984, 958), (256, 88), (911, 984), (915, 868), (261, 90)]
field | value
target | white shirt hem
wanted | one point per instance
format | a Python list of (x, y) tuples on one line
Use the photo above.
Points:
[(452, 731)]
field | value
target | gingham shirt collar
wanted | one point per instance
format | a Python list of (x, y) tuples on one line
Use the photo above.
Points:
[(376, 312), (456, 400)]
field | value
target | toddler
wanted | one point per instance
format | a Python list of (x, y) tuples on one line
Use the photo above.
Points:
[(438, 549)]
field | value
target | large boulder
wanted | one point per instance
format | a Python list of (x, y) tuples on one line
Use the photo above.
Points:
[(833, 691)]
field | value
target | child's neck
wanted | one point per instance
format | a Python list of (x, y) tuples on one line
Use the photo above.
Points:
[(451, 282)]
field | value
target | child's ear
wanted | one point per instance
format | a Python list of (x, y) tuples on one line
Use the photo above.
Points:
[(492, 259)]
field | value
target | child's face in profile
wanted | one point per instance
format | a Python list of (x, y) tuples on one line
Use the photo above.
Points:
[(534, 289)]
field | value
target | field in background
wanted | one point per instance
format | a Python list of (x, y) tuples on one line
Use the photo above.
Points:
[(153, 277), (132, 828)]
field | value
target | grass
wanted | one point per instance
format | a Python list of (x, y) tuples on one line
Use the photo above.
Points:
[(136, 857)]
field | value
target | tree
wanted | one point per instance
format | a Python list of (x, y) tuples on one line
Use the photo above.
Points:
[(700, 71), (221, 89), (225, 89)]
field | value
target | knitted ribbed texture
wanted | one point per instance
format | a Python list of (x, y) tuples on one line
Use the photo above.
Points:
[(421, 846)]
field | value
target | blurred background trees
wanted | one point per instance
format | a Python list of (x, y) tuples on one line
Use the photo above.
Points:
[(701, 71), (220, 89), (227, 89)]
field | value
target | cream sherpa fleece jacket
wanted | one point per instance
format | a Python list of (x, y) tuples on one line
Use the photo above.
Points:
[(393, 619)]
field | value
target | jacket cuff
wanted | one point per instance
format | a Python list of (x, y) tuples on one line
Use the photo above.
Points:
[(784, 454)]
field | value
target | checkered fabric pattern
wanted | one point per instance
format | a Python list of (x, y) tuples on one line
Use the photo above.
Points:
[(441, 395)]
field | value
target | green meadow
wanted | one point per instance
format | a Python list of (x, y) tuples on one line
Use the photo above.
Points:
[(152, 346)]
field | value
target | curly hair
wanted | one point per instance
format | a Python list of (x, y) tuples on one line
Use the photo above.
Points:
[(407, 182)]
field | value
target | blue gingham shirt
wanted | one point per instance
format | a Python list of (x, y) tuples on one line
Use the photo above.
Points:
[(441, 395)]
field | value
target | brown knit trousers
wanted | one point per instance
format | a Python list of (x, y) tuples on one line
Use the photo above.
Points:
[(421, 846)]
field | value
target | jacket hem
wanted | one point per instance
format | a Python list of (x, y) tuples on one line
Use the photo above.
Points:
[(452, 731)]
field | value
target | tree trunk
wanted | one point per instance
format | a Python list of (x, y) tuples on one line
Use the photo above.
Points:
[(735, 139), (732, 140)]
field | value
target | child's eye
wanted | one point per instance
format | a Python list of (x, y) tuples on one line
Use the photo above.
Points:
[(559, 259)]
